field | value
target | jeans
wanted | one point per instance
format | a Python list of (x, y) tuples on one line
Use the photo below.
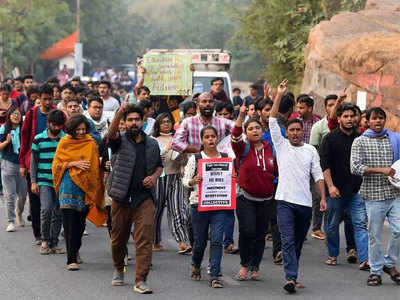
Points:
[(253, 218), (294, 221), (74, 226), (229, 225), (317, 214), (336, 210), (14, 185), (51, 218), (377, 212), (202, 222)]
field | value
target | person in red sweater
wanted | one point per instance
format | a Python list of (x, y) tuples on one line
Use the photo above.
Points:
[(257, 171)]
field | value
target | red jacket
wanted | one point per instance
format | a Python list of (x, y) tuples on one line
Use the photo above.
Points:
[(257, 170), (28, 133)]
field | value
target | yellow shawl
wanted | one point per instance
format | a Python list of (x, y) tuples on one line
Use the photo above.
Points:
[(90, 182)]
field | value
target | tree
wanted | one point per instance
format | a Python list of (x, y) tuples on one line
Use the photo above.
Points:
[(280, 29), (28, 28)]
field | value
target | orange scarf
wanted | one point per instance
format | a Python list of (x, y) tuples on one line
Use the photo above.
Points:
[(69, 150)]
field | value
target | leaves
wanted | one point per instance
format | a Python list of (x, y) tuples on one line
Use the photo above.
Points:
[(280, 29)]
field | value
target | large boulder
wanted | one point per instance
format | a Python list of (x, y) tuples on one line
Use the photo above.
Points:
[(360, 52)]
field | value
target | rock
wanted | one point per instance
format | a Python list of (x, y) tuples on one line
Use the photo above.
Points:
[(360, 52)]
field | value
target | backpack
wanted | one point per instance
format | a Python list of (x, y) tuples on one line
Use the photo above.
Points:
[(243, 156)]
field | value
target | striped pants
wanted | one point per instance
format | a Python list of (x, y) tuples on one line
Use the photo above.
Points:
[(169, 192)]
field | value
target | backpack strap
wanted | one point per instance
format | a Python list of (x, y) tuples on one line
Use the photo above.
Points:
[(238, 163), (197, 156)]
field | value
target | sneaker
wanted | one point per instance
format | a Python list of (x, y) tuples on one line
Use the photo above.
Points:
[(318, 234), (118, 279), (85, 233), (352, 256), (73, 267), (19, 220), (10, 227), (142, 288)]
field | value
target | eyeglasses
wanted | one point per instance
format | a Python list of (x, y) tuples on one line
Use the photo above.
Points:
[(166, 122), (16, 114)]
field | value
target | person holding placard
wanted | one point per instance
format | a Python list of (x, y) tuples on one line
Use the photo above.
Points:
[(257, 171), (205, 221)]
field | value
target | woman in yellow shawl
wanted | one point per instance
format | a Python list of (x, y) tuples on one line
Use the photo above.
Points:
[(77, 180)]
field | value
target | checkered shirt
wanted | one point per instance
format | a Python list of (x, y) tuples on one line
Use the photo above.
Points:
[(307, 126), (373, 153), (188, 132)]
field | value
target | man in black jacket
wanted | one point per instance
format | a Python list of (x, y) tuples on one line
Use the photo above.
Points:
[(136, 168)]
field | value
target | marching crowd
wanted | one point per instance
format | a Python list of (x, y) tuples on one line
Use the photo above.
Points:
[(117, 158)]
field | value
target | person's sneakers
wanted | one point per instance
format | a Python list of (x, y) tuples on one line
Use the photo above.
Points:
[(85, 233), (56, 250), (231, 249), (318, 234), (19, 220), (352, 256), (10, 227), (118, 278), (142, 288)]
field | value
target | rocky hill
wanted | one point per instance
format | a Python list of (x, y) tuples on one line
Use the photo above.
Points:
[(360, 52)]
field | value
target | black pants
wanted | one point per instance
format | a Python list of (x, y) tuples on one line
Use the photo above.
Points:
[(276, 235), (74, 226), (253, 217), (34, 204)]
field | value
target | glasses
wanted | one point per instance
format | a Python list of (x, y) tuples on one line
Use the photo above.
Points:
[(16, 114), (165, 122)]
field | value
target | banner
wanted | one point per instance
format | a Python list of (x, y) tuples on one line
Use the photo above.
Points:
[(217, 190), (168, 74)]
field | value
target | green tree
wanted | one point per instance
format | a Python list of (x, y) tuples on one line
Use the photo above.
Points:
[(280, 29), (28, 28)]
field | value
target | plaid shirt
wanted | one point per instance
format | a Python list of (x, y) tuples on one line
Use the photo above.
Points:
[(188, 132), (307, 126), (373, 153)]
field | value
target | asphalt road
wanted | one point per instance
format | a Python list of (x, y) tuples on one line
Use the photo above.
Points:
[(25, 274)]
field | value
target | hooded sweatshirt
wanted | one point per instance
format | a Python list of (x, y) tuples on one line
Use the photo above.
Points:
[(257, 169)]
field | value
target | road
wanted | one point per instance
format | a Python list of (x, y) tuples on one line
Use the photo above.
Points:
[(25, 274)]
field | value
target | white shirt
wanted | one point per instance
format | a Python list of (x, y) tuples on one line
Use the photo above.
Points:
[(111, 104), (295, 165), (190, 170)]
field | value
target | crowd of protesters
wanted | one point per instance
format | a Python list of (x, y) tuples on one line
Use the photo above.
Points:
[(115, 155)]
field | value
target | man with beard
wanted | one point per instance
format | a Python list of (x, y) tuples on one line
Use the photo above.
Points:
[(187, 137), (135, 172), (43, 149), (35, 122), (110, 104), (343, 187)]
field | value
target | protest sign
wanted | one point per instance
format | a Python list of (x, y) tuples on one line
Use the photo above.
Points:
[(217, 190), (168, 74)]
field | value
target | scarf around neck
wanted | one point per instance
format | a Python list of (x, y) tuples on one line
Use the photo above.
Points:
[(394, 139)]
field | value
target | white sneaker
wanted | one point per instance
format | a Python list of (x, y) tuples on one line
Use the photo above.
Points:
[(20, 221), (10, 227), (85, 233)]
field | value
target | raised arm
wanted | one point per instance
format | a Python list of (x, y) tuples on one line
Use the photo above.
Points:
[(275, 130), (140, 82), (113, 132), (277, 101)]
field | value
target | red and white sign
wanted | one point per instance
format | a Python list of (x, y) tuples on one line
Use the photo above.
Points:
[(217, 190)]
